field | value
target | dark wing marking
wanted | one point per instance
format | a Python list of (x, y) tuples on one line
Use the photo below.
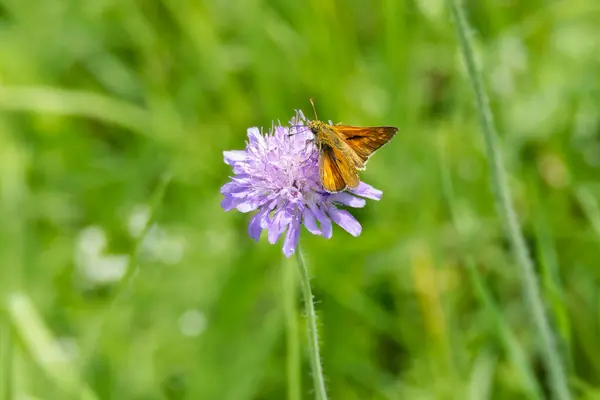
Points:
[(366, 141)]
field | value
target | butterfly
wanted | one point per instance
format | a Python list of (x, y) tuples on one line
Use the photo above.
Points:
[(344, 150)]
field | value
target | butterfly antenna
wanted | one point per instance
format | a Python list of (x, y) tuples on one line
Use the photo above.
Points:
[(314, 108)]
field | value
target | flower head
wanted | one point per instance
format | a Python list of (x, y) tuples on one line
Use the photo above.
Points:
[(278, 176)]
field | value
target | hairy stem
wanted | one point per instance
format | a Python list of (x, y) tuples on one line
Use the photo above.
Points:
[(313, 335), (292, 335)]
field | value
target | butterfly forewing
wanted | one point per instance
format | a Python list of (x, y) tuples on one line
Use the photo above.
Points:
[(366, 141)]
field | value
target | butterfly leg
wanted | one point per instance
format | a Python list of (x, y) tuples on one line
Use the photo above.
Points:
[(297, 130)]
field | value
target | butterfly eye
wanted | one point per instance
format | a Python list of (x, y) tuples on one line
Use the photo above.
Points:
[(314, 130)]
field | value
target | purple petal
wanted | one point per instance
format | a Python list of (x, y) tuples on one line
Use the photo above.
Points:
[(282, 132), (228, 187), (298, 119), (266, 208), (247, 205), (254, 227), (367, 191), (241, 179), (310, 222), (254, 135), (229, 203), (291, 238), (232, 156), (233, 189), (242, 193), (277, 226), (344, 219), (348, 200), (326, 225)]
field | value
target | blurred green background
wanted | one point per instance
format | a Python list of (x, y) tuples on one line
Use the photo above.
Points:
[(101, 100)]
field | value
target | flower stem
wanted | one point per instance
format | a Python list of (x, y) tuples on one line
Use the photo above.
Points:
[(6, 358), (292, 335), (552, 358), (313, 335)]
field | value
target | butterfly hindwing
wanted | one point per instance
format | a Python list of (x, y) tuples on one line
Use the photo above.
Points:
[(335, 170)]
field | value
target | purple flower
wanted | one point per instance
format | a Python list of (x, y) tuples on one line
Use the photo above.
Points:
[(278, 176)]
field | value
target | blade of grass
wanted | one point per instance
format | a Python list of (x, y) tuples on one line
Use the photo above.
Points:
[(590, 208), (43, 347), (482, 377), (132, 267), (553, 286), (552, 358), (75, 103), (14, 196), (6, 359), (511, 345), (313, 334)]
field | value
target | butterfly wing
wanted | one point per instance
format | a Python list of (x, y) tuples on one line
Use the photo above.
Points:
[(336, 171), (364, 141)]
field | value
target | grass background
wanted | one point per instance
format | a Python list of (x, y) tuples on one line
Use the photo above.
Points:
[(100, 100)]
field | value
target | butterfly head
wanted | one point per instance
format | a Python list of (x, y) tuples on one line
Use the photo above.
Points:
[(315, 126)]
